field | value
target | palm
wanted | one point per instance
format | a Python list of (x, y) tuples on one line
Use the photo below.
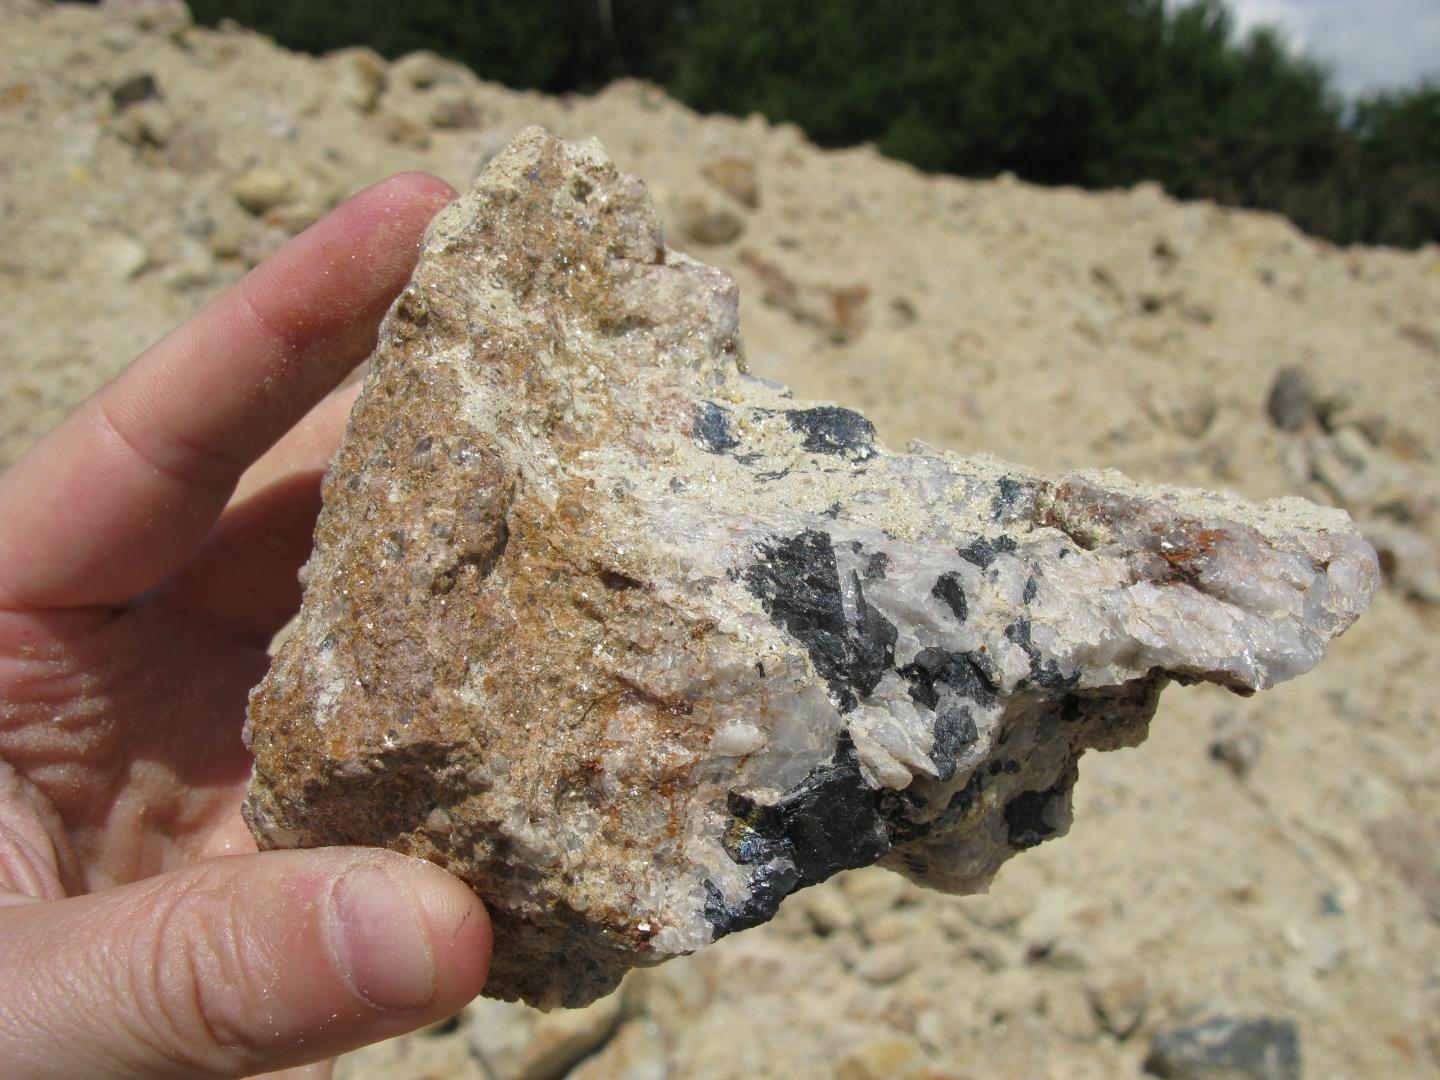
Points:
[(121, 719), (127, 722)]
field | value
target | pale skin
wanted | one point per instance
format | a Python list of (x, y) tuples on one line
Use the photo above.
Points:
[(148, 553)]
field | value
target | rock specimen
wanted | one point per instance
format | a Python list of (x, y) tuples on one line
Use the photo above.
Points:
[(637, 644)]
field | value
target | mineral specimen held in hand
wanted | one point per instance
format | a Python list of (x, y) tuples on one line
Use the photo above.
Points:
[(638, 644)]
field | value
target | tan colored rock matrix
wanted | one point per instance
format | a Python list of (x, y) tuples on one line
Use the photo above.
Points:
[(638, 644)]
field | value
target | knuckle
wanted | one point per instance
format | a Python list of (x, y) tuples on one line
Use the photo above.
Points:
[(287, 328), (30, 860), (189, 977), (29, 867), (181, 459)]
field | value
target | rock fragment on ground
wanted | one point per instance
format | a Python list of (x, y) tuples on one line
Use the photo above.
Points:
[(1119, 1004), (262, 189), (515, 1043), (360, 76), (736, 177), (838, 311), (705, 221), (637, 644), (637, 1052), (1293, 402), (1227, 1048), (1236, 745), (135, 89)]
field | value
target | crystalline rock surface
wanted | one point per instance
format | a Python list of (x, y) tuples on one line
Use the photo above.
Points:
[(637, 644)]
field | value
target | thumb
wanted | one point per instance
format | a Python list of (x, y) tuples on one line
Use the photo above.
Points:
[(236, 965)]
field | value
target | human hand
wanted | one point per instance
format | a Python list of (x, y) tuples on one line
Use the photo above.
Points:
[(146, 559)]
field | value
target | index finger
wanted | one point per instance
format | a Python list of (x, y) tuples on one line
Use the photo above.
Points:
[(112, 500)]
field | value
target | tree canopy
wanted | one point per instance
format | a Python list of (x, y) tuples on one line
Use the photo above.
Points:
[(1097, 93)]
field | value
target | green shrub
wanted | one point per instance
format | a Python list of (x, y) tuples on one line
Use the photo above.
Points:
[(1098, 93)]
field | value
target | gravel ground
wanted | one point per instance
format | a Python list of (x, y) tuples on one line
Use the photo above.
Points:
[(1274, 859)]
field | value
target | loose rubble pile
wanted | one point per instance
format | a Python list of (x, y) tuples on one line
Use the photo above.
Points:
[(1264, 861), (638, 644)]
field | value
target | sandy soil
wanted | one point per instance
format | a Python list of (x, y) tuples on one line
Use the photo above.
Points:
[(1276, 857)]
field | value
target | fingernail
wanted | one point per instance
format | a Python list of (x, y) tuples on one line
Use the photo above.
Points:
[(378, 945)]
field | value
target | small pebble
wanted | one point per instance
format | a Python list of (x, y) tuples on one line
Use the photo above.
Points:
[(636, 1052), (1352, 447), (1236, 745), (736, 177), (1227, 1048), (828, 910), (1292, 401), (151, 123), (120, 257), (707, 223), (225, 238), (1119, 1004), (425, 69), (1193, 417), (882, 1059), (456, 113), (885, 963), (135, 89), (262, 189), (361, 77), (1067, 1010), (401, 131)]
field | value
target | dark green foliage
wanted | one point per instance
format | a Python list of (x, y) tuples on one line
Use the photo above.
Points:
[(1091, 92), (550, 45), (1399, 137)]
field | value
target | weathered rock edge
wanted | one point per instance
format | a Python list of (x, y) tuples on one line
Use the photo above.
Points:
[(637, 644)]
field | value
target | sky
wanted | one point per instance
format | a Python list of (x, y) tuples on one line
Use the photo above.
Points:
[(1367, 44)]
